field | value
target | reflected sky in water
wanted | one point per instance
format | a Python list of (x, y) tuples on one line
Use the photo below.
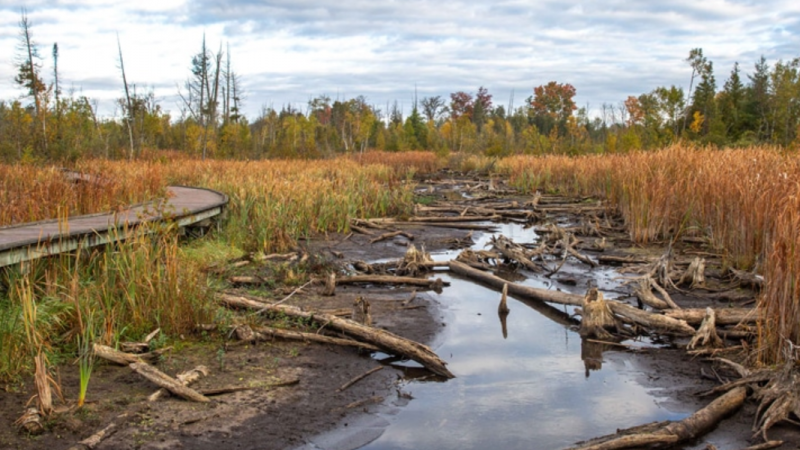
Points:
[(528, 391)]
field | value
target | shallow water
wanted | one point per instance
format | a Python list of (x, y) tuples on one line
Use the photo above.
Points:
[(531, 389)]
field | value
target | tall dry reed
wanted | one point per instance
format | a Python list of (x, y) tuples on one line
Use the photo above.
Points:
[(743, 201), (128, 289)]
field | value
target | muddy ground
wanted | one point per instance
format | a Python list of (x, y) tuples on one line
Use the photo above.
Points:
[(294, 416)]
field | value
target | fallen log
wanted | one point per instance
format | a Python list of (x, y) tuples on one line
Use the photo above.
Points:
[(724, 316), (244, 279), (185, 378), (380, 338), (619, 260), (666, 434), (231, 389), (385, 236), (496, 282), (122, 358), (455, 219), (515, 252), (360, 230), (660, 322), (269, 333), (456, 226), (387, 279), (644, 318), (765, 445), (163, 380)]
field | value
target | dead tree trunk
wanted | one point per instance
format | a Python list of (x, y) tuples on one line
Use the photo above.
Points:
[(381, 338)]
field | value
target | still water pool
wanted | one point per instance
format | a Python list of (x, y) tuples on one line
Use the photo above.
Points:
[(539, 387)]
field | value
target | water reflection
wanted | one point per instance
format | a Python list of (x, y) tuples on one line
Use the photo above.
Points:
[(592, 354), (503, 315), (529, 388)]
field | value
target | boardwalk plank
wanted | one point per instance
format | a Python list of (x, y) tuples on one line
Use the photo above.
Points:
[(186, 204)]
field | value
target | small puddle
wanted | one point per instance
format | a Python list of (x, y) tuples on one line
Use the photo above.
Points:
[(538, 387)]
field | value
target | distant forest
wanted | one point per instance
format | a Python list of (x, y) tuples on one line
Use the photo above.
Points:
[(760, 107)]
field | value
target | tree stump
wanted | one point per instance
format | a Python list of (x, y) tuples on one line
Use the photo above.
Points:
[(597, 316)]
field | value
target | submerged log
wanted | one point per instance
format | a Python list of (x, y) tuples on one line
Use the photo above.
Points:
[(666, 434), (383, 339)]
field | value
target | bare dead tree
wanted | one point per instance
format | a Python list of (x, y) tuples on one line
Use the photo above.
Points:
[(28, 76), (127, 98)]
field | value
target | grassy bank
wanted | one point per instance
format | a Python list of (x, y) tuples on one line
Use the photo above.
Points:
[(123, 292)]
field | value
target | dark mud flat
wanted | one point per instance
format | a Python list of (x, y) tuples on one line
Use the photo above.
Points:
[(262, 418), (538, 387)]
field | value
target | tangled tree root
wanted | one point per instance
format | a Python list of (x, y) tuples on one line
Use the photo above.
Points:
[(706, 336), (644, 291), (779, 399), (414, 262)]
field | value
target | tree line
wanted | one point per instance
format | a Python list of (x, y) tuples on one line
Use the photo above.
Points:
[(762, 107)]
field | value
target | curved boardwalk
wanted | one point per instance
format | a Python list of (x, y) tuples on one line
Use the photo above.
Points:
[(185, 205)]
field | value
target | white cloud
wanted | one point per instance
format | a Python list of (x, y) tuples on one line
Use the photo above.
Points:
[(290, 50)]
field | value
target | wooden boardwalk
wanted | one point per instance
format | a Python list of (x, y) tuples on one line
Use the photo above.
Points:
[(186, 206)]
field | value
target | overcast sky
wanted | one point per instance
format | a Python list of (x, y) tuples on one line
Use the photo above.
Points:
[(288, 51)]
